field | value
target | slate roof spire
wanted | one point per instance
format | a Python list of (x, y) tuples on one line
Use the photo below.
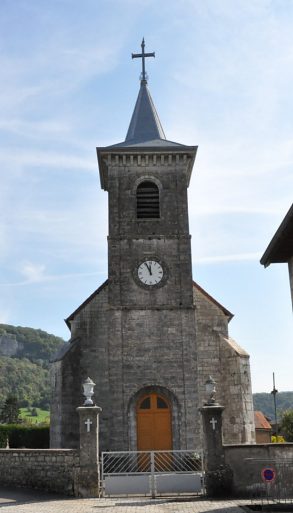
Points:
[(145, 124), (145, 129)]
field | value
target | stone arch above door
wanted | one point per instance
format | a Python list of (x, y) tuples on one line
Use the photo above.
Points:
[(173, 406)]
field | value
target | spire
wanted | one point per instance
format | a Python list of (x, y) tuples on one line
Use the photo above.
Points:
[(145, 124), (145, 127), (145, 131)]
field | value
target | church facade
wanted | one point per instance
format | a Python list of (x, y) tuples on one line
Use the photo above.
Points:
[(149, 337)]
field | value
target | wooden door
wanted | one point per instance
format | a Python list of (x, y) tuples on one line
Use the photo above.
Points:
[(154, 432)]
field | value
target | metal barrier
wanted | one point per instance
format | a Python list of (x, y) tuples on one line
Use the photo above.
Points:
[(272, 480), (152, 473)]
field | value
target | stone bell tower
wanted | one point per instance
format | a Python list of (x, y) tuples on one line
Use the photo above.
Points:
[(147, 177), (150, 278)]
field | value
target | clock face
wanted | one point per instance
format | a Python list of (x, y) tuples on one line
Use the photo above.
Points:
[(150, 272)]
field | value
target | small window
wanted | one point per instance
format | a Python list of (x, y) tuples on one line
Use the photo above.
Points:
[(161, 403), (147, 201), (146, 404)]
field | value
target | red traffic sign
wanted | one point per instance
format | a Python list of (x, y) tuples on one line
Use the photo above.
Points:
[(268, 474)]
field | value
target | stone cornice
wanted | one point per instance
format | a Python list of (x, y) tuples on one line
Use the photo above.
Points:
[(145, 236), (150, 157)]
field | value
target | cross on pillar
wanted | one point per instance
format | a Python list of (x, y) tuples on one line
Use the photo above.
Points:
[(143, 55), (213, 421), (88, 423)]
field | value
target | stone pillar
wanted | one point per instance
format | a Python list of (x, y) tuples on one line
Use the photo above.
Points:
[(218, 477), (212, 428), (88, 481)]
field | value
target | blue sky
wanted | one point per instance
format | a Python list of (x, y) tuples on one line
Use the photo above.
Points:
[(222, 78)]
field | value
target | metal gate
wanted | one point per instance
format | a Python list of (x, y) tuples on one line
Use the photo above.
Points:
[(152, 473), (272, 480)]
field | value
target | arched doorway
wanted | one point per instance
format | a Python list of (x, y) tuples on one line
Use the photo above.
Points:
[(153, 421)]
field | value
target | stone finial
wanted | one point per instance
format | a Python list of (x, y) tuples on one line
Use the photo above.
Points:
[(210, 385), (88, 392)]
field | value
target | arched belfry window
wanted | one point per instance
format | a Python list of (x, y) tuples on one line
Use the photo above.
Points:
[(147, 201)]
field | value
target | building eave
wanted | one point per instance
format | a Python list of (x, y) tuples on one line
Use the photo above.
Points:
[(88, 300), (213, 300), (68, 346), (280, 249)]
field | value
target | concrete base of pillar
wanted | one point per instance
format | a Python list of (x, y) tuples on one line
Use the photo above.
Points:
[(87, 483)]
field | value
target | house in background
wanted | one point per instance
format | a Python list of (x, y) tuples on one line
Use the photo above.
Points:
[(280, 249), (263, 429)]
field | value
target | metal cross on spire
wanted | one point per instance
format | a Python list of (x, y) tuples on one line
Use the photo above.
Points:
[(142, 56)]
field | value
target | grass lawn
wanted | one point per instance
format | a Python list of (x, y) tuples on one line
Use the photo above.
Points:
[(42, 415)]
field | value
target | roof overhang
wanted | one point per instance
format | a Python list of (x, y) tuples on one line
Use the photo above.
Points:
[(280, 249), (226, 312), (86, 302)]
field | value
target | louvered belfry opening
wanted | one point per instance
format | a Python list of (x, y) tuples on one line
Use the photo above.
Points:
[(147, 201)]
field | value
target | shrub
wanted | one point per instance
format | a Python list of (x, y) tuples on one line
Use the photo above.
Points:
[(3, 436), (219, 483), (287, 425), (280, 439), (21, 436)]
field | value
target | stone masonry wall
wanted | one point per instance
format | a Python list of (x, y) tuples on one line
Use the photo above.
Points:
[(127, 351), (220, 357), (247, 461), (238, 417), (46, 469), (131, 239)]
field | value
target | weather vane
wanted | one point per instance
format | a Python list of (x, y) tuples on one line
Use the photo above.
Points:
[(142, 56)]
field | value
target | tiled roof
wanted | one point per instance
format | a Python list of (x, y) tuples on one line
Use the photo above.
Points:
[(260, 421)]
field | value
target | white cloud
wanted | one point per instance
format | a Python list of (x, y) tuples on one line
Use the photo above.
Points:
[(4, 316), (27, 158), (240, 257), (36, 129), (33, 273)]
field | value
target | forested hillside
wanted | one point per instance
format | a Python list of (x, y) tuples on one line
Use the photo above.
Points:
[(265, 403), (24, 364)]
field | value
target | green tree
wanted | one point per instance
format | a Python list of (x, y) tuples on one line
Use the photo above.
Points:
[(264, 402), (28, 381), (10, 413), (287, 425), (25, 374)]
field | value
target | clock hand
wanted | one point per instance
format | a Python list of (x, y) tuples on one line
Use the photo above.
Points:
[(149, 268)]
